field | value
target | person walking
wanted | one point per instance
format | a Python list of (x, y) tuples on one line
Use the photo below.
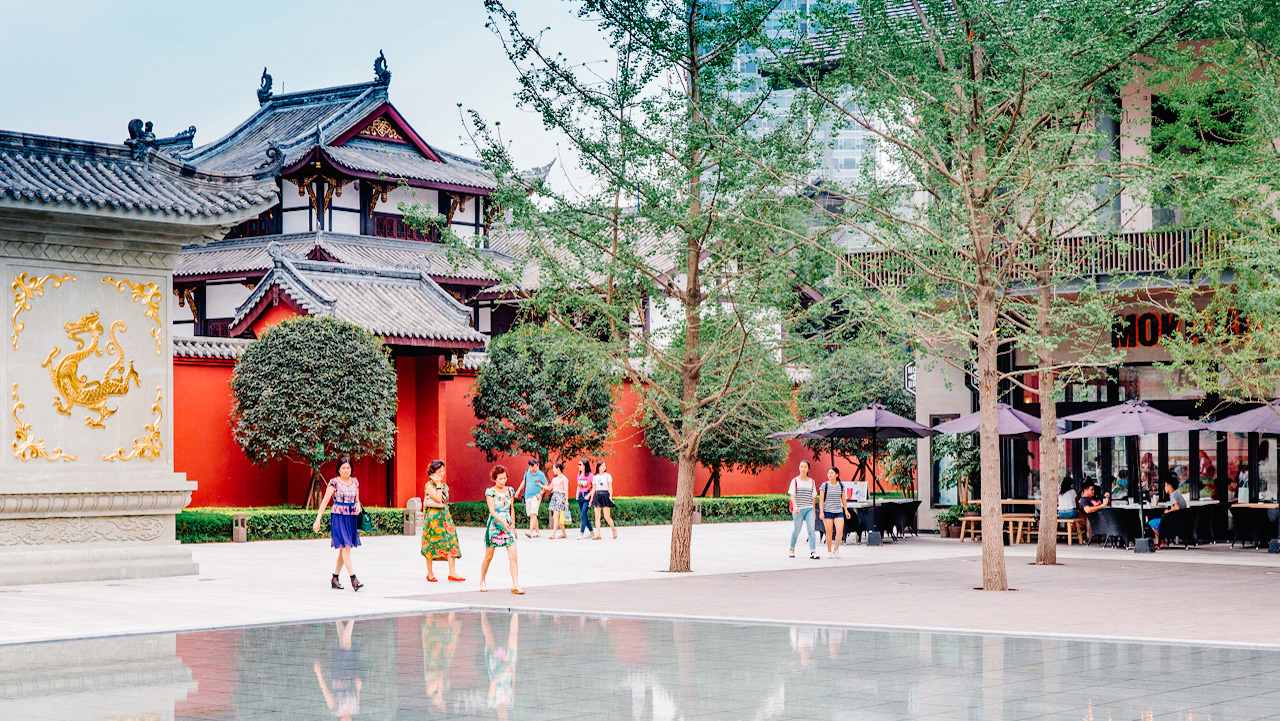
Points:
[(804, 499), (343, 532), (835, 509), (531, 486), (499, 529), (602, 499), (586, 481), (439, 536), (559, 503)]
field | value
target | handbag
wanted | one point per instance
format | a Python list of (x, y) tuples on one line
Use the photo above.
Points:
[(364, 523)]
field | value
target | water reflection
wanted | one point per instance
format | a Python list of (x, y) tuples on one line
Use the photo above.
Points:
[(545, 667)]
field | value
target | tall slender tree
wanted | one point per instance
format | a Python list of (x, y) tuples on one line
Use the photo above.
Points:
[(983, 115), (669, 229)]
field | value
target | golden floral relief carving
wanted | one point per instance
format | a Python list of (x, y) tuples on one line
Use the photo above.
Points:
[(149, 446), (149, 295), (76, 389), (25, 287), (382, 128), (26, 446)]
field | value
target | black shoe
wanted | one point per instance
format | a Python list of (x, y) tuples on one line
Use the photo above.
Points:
[(355, 583), (334, 583)]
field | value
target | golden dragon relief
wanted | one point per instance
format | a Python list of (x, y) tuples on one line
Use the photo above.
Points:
[(77, 389)]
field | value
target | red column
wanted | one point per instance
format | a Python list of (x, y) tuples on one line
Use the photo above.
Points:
[(406, 459)]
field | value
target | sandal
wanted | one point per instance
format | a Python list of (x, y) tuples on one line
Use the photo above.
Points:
[(815, 556), (355, 583), (457, 579), (335, 584), (792, 553), (518, 591), (483, 588)]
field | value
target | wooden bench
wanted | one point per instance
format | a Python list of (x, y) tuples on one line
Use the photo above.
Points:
[(971, 527), (1019, 526), (1071, 530)]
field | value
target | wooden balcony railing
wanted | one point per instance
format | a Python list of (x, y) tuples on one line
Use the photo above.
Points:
[(1127, 253)]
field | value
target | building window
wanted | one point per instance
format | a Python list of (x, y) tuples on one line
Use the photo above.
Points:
[(268, 223), (393, 226)]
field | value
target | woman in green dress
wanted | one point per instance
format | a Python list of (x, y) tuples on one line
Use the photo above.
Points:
[(439, 537), (499, 530)]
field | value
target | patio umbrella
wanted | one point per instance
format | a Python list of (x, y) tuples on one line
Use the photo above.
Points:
[(1133, 418), (1012, 423), (875, 422), (1259, 420), (1104, 413), (805, 431)]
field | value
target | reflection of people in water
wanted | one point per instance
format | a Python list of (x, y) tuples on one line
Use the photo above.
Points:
[(343, 697), (501, 661), (803, 641), (439, 641)]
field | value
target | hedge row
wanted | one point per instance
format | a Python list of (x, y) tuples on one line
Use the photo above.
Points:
[(211, 525)]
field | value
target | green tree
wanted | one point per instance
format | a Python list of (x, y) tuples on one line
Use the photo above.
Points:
[(674, 223), (542, 392), (983, 116), (866, 367), (312, 390), (1214, 172), (741, 440)]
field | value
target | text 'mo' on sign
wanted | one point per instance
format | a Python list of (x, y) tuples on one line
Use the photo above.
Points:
[(1144, 330)]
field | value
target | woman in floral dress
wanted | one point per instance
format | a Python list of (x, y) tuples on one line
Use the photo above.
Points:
[(499, 530), (439, 537)]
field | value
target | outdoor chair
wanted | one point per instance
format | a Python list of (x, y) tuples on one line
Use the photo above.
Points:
[(1251, 525), (1179, 525), (1111, 526), (907, 514), (1018, 526), (1071, 530), (886, 515), (1213, 523)]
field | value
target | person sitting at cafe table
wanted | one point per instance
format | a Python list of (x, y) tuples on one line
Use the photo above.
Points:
[(1089, 501), (1067, 499), (1177, 502)]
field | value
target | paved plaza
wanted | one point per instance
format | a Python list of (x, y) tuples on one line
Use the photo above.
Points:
[(741, 572)]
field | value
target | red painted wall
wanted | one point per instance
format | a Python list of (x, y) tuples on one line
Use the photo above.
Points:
[(434, 421)]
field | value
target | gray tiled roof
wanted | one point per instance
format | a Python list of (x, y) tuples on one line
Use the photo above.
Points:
[(211, 348), (389, 302), (288, 121), (396, 162), (40, 169), (250, 255)]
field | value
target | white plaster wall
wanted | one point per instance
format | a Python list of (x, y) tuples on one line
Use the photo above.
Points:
[(399, 195), (222, 300), (940, 389)]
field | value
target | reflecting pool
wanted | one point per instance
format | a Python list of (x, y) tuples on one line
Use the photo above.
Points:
[(472, 665)]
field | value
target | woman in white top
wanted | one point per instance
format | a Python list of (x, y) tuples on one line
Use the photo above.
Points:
[(602, 499), (1067, 499), (804, 499)]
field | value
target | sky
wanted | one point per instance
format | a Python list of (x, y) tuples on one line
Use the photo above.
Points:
[(83, 69)]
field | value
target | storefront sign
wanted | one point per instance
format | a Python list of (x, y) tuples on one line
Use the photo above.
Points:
[(909, 378), (1145, 330)]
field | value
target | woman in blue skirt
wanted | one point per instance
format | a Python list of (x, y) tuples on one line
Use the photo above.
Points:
[(343, 533)]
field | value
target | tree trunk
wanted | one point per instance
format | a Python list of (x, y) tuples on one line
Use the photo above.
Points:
[(715, 482), (1050, 446), (682, 514), (993, 567), (316, 493)]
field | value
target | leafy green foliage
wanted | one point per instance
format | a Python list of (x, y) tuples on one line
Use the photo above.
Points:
[(867, 368), (312, 390), (740, 439), (542, 392), (213, 525)]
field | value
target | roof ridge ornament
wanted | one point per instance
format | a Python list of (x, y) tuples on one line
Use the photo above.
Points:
[(380, 72), (141, 139), (264, 89)]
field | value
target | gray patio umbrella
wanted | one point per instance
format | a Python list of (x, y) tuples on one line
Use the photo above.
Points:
[(1133, 418), (1259, 420), (1012, 423), (1104, 413), (873, 423)]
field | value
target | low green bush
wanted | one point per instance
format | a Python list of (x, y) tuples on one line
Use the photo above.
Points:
[(213, 525)]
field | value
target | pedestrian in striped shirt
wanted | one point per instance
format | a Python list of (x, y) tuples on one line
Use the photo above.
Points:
[(804, 498)]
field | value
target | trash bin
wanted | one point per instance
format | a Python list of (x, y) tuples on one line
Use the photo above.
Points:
[(413, 517), (239, 528), (697, 511)]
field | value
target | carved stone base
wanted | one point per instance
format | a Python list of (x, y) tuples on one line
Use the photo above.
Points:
[(59, 563)]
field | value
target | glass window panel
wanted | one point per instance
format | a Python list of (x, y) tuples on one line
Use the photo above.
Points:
[(1208, 462), (1237, 467), (1117, 484), (1148, 468), (1180, 461), (1152, 383), (1268, 468), (1090, 458)]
